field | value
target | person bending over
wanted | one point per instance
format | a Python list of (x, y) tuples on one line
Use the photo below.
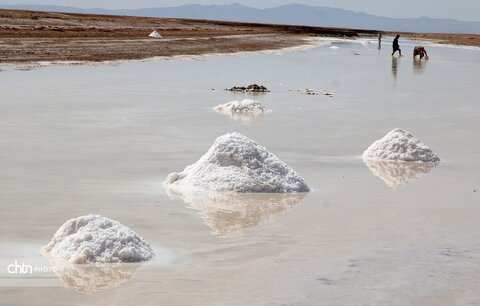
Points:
[(419, 50), (396, 46)]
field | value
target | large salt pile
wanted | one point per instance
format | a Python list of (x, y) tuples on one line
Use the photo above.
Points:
[(244, 107), (236, 163), (96, 239), (400, 145)]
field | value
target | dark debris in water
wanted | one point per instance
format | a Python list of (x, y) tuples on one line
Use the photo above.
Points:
[(249, 88)]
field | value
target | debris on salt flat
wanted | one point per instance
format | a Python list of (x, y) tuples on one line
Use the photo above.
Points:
[(400, 145), (249, 88), (96, 239), (327, 93), (246, 106), (313, 92), (235, 163), (308, 92), (155, 34)]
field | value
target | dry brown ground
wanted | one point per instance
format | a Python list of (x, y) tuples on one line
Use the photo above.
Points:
[(28, 36), (443, 38)]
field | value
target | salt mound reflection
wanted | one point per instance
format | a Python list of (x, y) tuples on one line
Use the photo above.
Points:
[(92, 278), (246, 117), (398, 174), (228, 214)]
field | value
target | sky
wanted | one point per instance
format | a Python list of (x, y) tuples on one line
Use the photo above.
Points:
[(455, 9)]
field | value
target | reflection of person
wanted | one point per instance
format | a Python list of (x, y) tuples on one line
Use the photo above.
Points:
[(396, 46), (394, 67), (419, 50), (418, 66)]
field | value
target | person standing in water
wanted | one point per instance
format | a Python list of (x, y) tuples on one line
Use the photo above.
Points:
[(396, 46), (379, 40)]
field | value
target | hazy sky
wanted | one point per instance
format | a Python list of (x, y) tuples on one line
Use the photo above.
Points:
[(456, 9)]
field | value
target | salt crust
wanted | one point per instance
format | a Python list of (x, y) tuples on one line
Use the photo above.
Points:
[(235, 163), (96, 239), (400, 145)]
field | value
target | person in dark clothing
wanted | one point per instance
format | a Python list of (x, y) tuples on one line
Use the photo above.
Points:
[(396, 46)]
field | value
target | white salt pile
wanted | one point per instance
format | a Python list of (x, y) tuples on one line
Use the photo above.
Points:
[(96, 239), (246, 106), (235, 163), (400, 145), (155, 34)]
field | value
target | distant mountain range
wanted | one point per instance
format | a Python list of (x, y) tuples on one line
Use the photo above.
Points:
[(296, 14)]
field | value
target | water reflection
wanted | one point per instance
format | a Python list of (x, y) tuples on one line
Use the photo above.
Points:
[(243, 116), (92, 278), (419, 65), (398, 174), (394, 67), (248, 94), (228, 214)]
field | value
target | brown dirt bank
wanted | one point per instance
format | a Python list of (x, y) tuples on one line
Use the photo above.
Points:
[(443, 38), (29, 36)]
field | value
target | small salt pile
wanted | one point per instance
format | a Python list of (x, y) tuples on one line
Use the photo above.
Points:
[(246, 106), (235, 163), (96, 239), (155, 34), (400, 145)]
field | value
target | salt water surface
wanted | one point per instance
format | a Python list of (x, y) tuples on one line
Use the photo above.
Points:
[(79, 140)]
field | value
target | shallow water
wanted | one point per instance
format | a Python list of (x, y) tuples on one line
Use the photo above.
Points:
[(101, 139)]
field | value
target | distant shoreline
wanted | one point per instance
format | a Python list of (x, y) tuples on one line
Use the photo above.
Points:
[(31, 36), (471, 40)]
